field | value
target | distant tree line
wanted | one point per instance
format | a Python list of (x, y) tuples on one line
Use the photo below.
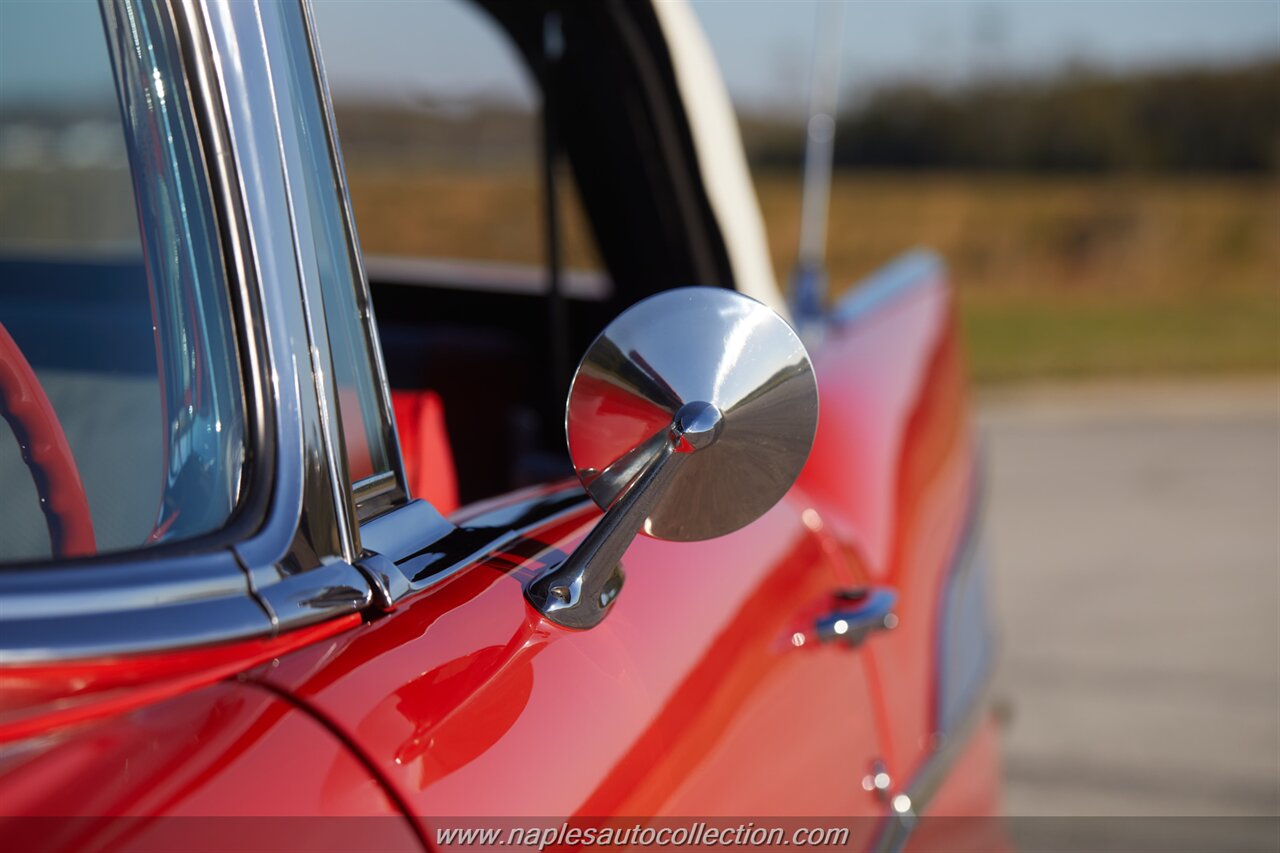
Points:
[(1190, 120)]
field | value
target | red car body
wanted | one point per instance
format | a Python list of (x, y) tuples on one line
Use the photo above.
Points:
[(705, 694)]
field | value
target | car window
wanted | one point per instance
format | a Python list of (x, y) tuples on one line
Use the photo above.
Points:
[(440, 126), (317, 204), (443, 143), (123, 412)]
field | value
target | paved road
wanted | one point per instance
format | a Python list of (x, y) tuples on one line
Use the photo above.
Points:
[(1135, 533)]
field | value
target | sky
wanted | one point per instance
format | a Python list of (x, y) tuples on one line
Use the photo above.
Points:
[(762, 45), (402, 49)]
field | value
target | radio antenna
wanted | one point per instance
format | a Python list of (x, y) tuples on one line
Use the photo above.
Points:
[(809, 280)]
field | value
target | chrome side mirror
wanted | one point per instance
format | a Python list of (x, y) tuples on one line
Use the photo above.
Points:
[(689, 417)]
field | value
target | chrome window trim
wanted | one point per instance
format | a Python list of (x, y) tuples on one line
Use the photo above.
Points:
[(378, 494), (250, 344), (251, 173), (254, 581), (190, 592), (371, 495), (414, 548), (326, 432), (84, 611), (261, 406), (298, 574)]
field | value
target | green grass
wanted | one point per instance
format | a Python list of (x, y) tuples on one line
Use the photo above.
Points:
[(1029, 335), (1071, 276)]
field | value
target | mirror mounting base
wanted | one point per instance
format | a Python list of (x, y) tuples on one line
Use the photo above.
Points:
[(579, 592), (576, 593)]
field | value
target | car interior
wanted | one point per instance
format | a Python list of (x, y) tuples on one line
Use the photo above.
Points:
[(497, 343), (73, 290)]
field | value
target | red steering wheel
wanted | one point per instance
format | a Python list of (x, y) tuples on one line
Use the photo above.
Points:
[(45, 450)]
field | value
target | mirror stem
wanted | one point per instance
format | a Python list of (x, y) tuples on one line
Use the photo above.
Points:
[(579, 592)]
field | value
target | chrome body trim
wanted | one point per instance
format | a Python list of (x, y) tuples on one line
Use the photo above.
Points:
[(415, 548), (179, 624), (393, 536), (891, 282), (878, 781), (498, 528), (399, 533), (913, 801), (471, 542), (525, 508), (953, 727), (331, 590), (68, 612), (387, 583), (967, 644)]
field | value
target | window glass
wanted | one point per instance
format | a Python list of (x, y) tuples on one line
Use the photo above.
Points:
[(123, 412), (440, 121), (317, 203), (440, 127)]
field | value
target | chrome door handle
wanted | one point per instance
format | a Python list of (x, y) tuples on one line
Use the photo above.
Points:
[(868, 609)]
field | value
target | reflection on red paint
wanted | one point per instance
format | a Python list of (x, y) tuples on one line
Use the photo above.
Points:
[(36, 699), (459, 709), (471, 705), (154, 776)]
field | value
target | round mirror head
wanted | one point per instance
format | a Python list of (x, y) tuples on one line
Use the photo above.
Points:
[(703, 372)]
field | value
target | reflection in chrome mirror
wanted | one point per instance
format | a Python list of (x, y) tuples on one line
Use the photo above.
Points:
[(690, 416)]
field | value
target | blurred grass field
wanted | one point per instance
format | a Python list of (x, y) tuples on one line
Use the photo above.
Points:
[(1072, 276), (1085, 276), (1057, 276)]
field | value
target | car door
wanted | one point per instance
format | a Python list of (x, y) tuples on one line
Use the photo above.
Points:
[(705, 691), (708, 690)]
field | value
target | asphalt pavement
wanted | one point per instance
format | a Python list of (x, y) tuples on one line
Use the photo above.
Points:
[(1135, 537)]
